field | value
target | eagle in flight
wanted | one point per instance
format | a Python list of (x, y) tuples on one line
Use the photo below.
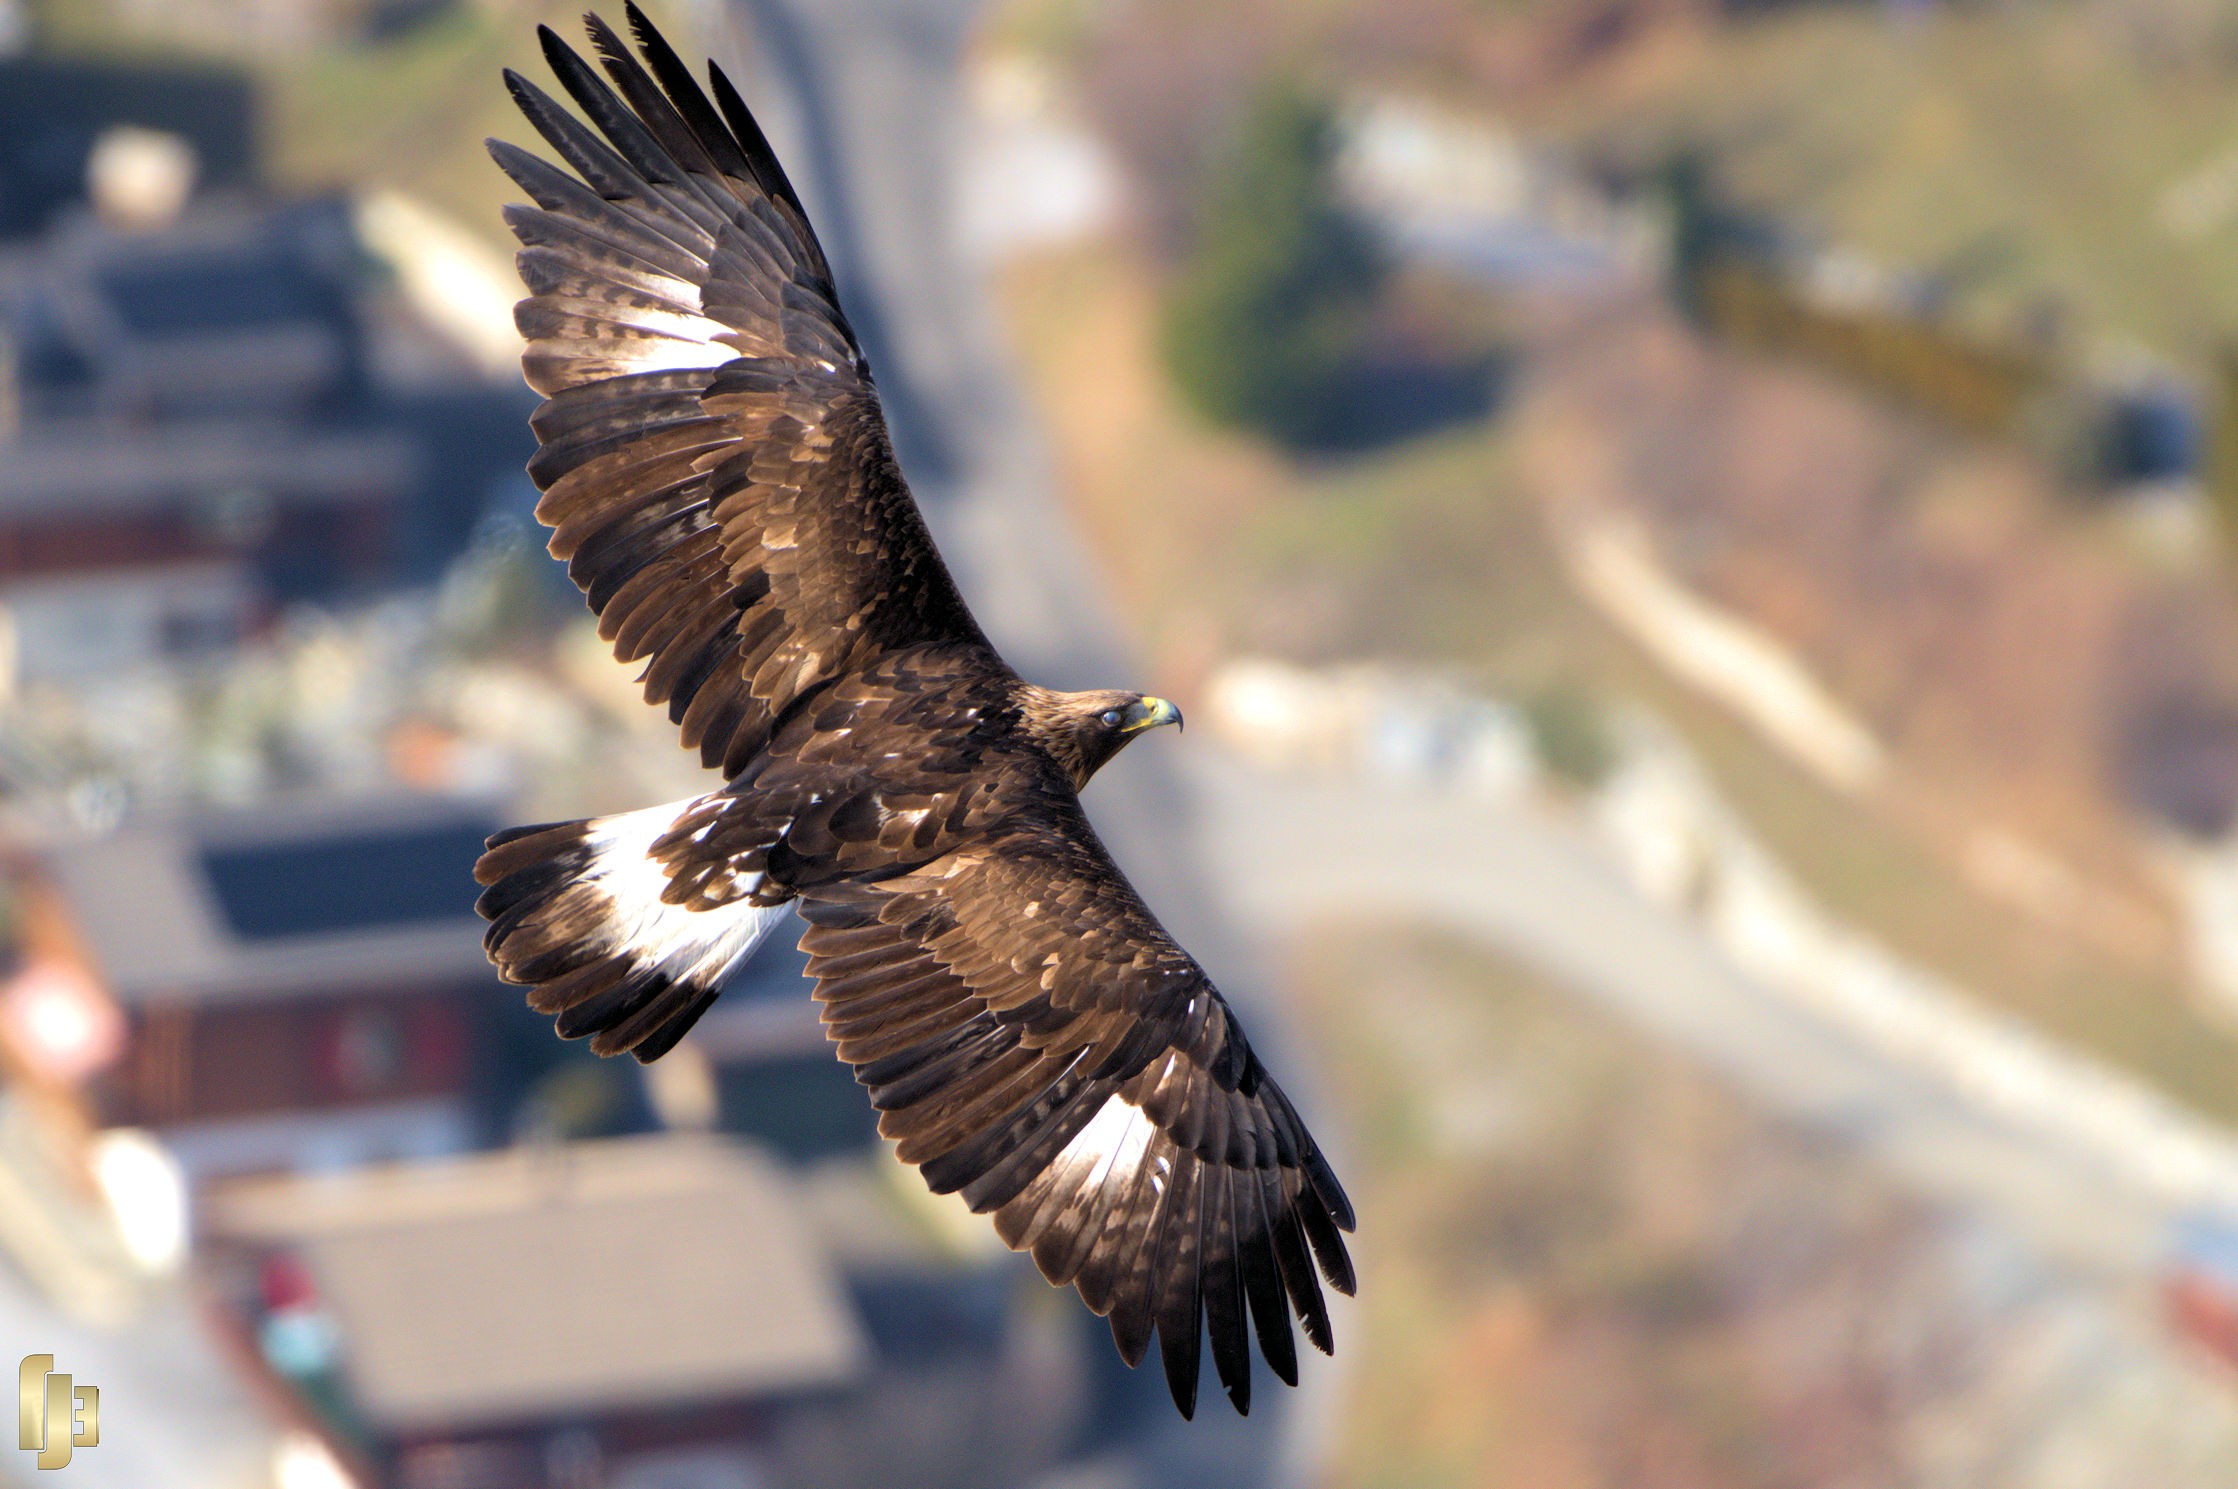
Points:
[(717, 475)]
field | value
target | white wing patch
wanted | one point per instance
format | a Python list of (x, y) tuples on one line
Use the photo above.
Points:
[(1114, 1138), (699, 946), (667, 351), (1111, 1147)]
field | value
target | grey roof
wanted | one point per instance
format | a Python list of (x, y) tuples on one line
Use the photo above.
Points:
[(84, 467), (302, 899), (532, 1284)]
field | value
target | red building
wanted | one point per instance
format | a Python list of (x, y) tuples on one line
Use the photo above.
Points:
[(128, 546), (301, 987)]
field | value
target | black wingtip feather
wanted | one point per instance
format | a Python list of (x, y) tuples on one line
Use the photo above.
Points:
[(654, 111), (1181, 1357), (604, 39), (1328, 1244), (1298, 1279), (557, 52), (561, 57), (519, 89), (670, 1034), (768, 170), (1226, 1317), (1180, 1292), (1331, 1192), (608, 44), (529, 173), (690, 101), (506, 835)]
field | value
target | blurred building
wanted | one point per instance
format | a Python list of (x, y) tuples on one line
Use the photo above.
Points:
[(147, 309), (149, 547), (775, 1079), (301, 986), (637, 1311), (213, 403), (54, 112), (180, 449)]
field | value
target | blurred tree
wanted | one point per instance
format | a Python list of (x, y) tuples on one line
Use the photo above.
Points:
[(1266, 326), (1570, 734), (1697, 232), (2221, 455)]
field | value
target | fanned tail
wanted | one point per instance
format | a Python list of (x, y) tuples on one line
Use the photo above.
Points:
[(579, 912)]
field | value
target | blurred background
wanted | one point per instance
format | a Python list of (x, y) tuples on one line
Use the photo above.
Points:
[(1701, 540)]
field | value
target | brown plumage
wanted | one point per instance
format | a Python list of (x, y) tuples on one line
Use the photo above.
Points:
[(717, 474)]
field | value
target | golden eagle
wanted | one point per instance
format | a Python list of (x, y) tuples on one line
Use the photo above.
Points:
[(716, 471)]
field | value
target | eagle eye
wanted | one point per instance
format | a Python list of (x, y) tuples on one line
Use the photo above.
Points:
[(1111, 718)]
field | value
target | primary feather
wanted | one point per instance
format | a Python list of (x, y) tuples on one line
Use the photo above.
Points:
[(717, 476)]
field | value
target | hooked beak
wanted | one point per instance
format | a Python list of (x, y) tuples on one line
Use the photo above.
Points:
[(1149, 714)]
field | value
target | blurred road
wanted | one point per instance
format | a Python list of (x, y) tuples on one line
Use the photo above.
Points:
[(1529, 882)]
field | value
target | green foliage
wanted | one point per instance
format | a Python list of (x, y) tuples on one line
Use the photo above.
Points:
[(1265, 328), (1726, 278), (1570, 735), (2222, 444), (1698, 232)]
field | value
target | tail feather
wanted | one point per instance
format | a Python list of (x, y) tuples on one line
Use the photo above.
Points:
[(576, 911)]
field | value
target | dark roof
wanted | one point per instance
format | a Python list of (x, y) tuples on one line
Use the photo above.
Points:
[(74, 469), (241, 304), (52, 110), (370, 880), (202, 291), (300, 899)]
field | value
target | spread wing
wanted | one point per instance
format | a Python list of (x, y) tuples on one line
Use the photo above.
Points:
[(1036, 1042), (718, 476), (714, 461)]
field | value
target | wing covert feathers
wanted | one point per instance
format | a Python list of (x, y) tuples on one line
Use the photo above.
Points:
[(1033, 1041)]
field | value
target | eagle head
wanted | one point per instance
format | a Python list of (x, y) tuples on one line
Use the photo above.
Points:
[(1082, 731)]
